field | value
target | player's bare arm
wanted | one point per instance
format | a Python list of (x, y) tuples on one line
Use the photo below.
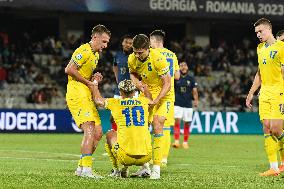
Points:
[(97, 97), (115, 70), (255, 85), (177, 75), (195, 96), (72, 70), (166, 79), (147, 92), (135, 79)]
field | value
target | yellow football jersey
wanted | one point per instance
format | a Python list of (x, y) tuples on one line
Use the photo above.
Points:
[(270, 61), (86, 61), (173, 67), (131, 117), (150, 70)]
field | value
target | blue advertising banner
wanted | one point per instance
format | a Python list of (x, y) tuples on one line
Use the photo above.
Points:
[(60, 121), (43, 121)]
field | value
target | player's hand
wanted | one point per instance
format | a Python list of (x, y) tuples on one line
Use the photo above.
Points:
[(248, 100), (153, 102), (140, 86), (98, 77), (195, 103)]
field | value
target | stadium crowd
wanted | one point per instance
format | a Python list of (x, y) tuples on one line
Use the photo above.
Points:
[(224, 72)]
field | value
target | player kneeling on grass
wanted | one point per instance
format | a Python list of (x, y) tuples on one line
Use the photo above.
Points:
[(131, 143)]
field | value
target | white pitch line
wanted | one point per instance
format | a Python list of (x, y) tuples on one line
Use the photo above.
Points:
[(200, 165), (41, 159), (41, 152)]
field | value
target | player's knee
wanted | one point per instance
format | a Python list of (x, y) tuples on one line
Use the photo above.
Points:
[(266, 130), (266, 123), (88, 129), (98, 133), (276, 131), (110, 134)]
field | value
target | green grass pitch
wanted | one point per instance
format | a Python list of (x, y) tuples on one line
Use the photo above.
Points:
[(212, 161)]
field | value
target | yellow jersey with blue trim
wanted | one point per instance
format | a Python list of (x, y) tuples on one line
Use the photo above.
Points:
[(131, 116), (270, 63), (151, 70), (172, 61), (86, 61)]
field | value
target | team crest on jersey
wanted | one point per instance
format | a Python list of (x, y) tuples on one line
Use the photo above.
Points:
[(188, 82), (144, 75), (79, 56)]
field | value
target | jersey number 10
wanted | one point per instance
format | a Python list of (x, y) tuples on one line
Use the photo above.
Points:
[(131, 116)]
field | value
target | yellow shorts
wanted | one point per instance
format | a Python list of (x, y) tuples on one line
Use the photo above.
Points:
[(161, 109), (271, 108), (170, 121), (125, 159), (83, 110)]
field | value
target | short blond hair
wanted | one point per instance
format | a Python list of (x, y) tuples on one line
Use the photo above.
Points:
[(263, 21)]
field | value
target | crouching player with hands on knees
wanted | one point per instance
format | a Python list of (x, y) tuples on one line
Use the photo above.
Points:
[(131, 143)]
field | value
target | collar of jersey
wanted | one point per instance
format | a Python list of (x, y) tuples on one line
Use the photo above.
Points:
[(266, 45), (92, 48), (144, 60)]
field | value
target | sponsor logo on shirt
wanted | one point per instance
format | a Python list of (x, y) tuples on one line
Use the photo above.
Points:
[(79, 56)]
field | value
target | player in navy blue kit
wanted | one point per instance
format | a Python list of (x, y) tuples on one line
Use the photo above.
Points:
[(185, 91), (120, 66)]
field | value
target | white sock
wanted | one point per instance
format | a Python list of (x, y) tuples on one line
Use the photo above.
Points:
[(184, 142), (87, 169), (146, 166), (164, 160), (156, 168), (274, 165)]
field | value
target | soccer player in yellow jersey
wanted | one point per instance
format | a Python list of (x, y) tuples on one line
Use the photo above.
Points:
[(269, 78), (157, 38), (152, 67), (131, 144), (79, 96)]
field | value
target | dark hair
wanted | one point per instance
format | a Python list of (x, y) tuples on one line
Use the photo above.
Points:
[(279, 33), (141, 41), (127, 36), (264, 21), (159, 34), (100, 29)]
